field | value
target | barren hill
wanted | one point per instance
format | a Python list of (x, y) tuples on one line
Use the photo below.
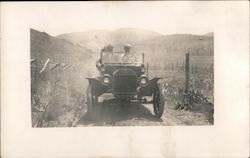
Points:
[(96, 39), (209, 34), (165, 48), (44, 46), (172, 48)]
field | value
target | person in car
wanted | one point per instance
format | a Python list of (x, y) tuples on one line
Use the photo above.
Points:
[(107, 48), (129, 56)]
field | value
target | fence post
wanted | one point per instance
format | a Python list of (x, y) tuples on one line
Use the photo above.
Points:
[(147, 68), (187, 71)]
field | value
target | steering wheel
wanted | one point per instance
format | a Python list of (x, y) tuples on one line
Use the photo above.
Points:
[(129, 58)]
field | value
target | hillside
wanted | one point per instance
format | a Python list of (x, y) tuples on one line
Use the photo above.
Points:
[(166, 48), (44, 46), (58, 78), (172, 48), (209, 34), (96, 39)]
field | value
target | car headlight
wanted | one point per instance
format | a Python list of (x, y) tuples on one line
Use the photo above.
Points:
[(143, 80), (106, 79)]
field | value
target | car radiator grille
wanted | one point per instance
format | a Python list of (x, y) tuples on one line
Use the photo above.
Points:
[(124, 84)]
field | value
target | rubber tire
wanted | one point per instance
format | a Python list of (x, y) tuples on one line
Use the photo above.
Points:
[(91, 102), (158, 101)]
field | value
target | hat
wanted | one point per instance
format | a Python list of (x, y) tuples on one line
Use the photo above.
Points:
[(127, 47)]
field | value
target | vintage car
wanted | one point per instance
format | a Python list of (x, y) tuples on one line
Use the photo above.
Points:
[(125, 75)]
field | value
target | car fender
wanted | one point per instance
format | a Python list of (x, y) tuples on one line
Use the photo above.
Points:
[(96, 86), (149, 89)]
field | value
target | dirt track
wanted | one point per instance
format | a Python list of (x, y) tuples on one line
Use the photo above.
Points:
[(112, 113)]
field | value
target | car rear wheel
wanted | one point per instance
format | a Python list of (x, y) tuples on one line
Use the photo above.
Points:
[(158, 101), (91, 103)]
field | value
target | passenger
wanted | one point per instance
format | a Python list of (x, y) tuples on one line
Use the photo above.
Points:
[(127, 48), (129, 56)]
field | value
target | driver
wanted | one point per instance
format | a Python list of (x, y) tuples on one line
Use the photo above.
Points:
[(107, 48)]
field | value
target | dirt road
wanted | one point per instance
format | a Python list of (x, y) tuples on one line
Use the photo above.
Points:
[(113, 113)]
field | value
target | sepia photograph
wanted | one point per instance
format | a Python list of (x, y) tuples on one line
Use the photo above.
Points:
[(122, 77), (139, 79)]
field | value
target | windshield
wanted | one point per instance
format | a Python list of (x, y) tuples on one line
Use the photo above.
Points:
[(121, 57)]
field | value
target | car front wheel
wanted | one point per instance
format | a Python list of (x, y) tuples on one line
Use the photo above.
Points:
[(91, 103), (158, 101)]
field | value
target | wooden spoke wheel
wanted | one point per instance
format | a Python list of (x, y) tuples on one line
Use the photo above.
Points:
[(158, 101), (91, 103)]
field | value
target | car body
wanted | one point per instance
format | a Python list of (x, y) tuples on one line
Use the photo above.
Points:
[(125, 75)]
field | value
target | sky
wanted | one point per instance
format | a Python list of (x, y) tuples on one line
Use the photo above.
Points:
[(165, 17)]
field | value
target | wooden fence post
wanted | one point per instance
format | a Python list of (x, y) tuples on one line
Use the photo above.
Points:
[(147, 68), (187, 72)]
